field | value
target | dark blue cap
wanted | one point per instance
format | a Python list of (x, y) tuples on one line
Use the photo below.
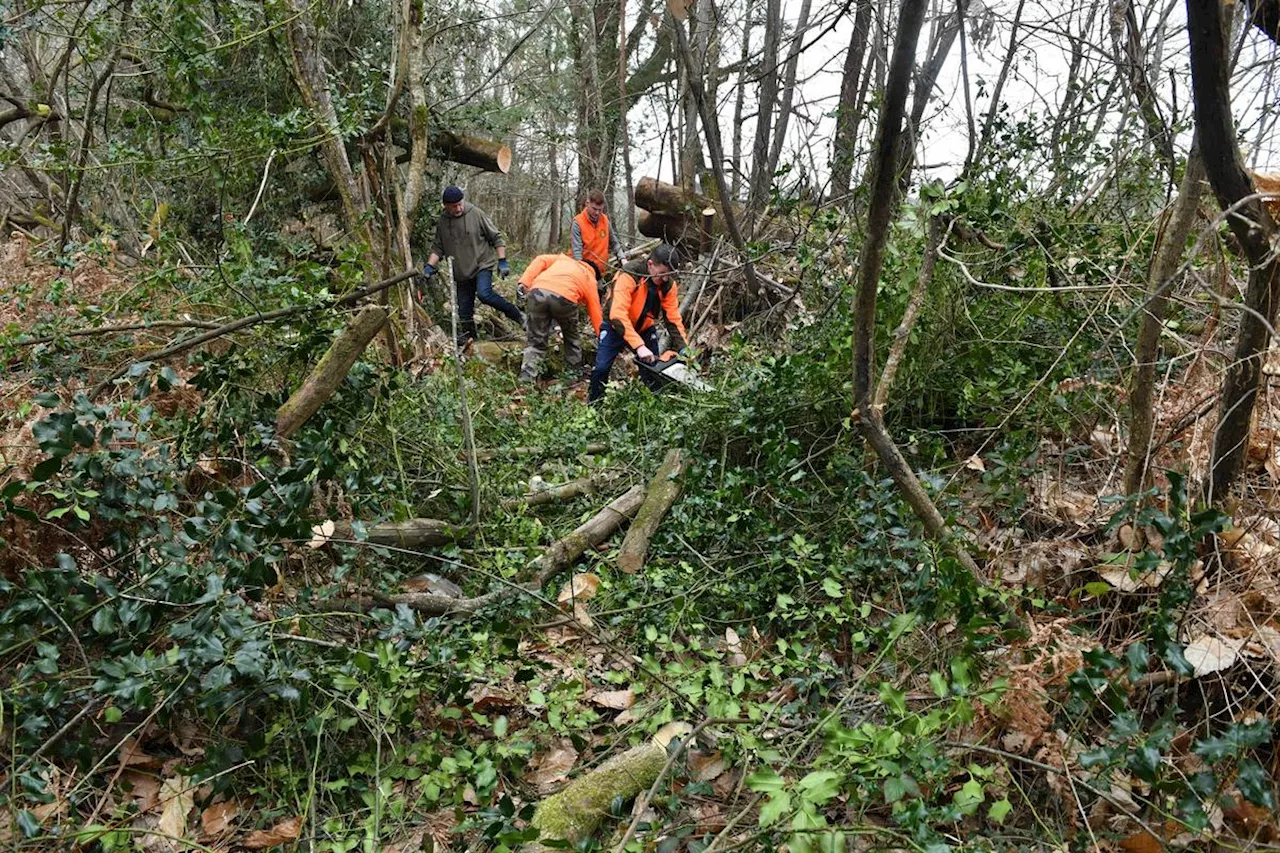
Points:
[(452, 195)]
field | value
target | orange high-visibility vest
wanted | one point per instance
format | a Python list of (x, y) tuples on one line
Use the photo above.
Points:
[(595, 239)]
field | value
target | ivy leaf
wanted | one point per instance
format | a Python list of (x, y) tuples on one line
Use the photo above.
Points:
[(819, 786), (1255, 784), (765, 780), (778, 805), (969, 797), (46, 469), (999, 810)]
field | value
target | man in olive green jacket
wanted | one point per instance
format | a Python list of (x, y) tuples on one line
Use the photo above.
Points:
[(465, 233)]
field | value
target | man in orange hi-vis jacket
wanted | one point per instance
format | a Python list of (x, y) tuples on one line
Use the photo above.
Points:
[(555, 286), (641, 292), (591, 237)]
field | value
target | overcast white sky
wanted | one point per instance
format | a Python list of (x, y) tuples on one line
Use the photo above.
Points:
[(1036, 84)]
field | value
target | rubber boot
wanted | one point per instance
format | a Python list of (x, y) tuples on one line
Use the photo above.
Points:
[(466, 333)]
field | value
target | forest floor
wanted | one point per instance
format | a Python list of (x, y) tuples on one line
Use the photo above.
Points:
[(1109, 683)]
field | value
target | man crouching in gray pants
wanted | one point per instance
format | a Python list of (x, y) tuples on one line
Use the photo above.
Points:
[(556, 285)]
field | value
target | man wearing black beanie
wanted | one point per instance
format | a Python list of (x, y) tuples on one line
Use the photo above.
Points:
[(465, 233)]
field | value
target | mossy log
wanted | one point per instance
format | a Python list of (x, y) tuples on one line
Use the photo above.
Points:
[(575, 813), (672, 227), (332, 369), (411, 533), (664, 488)]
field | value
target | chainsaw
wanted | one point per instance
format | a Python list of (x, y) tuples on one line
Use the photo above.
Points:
[(671, 368)]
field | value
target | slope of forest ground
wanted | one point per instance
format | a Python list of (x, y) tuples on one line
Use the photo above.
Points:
[(200, 652)]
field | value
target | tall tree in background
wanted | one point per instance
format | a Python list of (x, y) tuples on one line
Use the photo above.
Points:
[(849, 107), (761, 177)]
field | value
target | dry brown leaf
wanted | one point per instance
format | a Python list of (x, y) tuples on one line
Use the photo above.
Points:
[(552, 768), (671, 731), (434, 584), (733, 643), (217, 818), (485, 697), (412, 843), (1141, 842), (1208, 654), (283, 832), (145, 789), (177, 796), (582, 616), (618, 700), (1119, 576), (706, 766), (583, 587), (133, 755), (975, 463), (321, 533)]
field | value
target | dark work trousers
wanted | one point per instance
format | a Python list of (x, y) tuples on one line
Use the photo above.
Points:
[(611, 344), (543, 311), (482, 286)]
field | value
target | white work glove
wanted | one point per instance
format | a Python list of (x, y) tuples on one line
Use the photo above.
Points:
[(644, 354)]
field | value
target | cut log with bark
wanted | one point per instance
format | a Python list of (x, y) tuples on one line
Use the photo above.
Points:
[(574, 814), (559, 556), (332, 369), (488, 154), (671, 227), (657, 196), (664, 488), (410, 533)]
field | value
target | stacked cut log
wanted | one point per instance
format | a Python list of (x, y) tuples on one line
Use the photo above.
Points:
[(678, 216)]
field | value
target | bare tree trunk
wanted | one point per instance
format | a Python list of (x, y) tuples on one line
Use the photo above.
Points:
[(624, 137), (788, 89), (1253, 228), (1168, 257), (761, 178), (884, 204), (926, 79), (712, 128), (554, 238), (738, 99), (848, 113), (1130, 56), (988, 123), (663, 490), (313, 82)]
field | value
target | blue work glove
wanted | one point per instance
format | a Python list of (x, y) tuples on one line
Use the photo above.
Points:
[(428, 270), (504, 268)]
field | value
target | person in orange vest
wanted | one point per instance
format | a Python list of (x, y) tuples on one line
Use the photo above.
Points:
[(554, 286), (641, 293), (591, 238)]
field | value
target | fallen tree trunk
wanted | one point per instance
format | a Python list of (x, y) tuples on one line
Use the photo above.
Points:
[(559, 555), (574, 814), (658, 197), (487, 154), (669, 227), (664, 488), (332, 369), (411, 533)]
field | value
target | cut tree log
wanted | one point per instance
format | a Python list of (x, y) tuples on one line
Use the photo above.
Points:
[(664, 488), (559, 555), (574, 814), (411, 533), (331, 370), (656, 196), (671, 227), (487, 154)]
